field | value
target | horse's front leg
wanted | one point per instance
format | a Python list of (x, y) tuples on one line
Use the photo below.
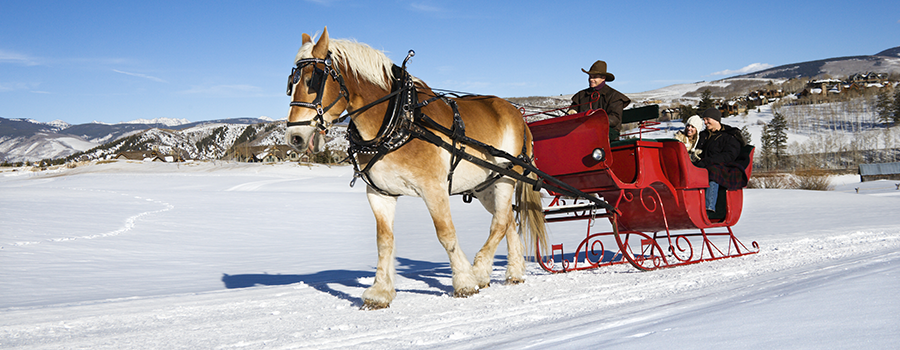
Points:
[(382, 292), (464, 282)]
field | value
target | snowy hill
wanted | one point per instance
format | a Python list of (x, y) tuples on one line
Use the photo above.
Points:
[(887, 61), (164, 121), (29, 140), (205, 141)]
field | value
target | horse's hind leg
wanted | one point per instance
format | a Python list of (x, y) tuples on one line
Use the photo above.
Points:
[(497, 199), (515, 258), (382, 292), (464, 283)]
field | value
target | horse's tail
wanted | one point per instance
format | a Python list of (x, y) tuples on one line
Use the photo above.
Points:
[(531, 216)]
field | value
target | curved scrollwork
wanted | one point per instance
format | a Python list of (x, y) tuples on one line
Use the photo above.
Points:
[(682, 250), (652, 199), (649, 254)]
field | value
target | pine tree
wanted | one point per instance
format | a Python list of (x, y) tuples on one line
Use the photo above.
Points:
[(887, 107), (884, 107), (774, 140), (706, 101), (686, 111), (746, 134), (779, 137), (895, 107), (765, 153)]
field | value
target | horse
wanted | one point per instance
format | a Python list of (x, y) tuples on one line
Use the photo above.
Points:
[(332, 77)]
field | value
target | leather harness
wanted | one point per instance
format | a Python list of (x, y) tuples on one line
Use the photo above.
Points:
[(404, 120)]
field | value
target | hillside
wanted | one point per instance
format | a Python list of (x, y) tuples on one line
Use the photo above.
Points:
[(887, 61), (203, 142), (28, 140)]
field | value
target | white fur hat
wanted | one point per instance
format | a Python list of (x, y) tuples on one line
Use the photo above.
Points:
[(696, 122)]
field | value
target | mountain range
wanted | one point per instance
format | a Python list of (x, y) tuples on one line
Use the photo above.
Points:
[(25, 140)]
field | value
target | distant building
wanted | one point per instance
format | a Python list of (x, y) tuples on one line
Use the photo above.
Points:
[(135, 155), (267, 154), (150, 156), (879, 171)]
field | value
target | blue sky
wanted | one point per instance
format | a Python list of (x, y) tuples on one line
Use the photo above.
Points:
[(113, 61)]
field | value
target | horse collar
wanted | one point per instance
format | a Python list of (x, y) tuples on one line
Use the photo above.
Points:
[(395, 128)]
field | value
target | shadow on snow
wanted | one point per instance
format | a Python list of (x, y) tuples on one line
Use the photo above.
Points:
[(427, 272)]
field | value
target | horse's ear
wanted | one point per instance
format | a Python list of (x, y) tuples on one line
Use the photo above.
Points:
[(321, 48), (306, 38)]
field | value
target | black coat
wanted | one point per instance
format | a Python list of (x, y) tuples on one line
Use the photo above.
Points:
[(721, 156), (721, 147)]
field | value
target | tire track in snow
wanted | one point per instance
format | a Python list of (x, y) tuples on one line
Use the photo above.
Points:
[(255, 185), (129, 225)]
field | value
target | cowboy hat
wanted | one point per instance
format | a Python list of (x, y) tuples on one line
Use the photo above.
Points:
[(599, 67)]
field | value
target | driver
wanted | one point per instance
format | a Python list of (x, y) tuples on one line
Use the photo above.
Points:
[(610, 100)]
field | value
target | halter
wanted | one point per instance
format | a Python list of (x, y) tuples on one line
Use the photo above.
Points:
[(317, 84)]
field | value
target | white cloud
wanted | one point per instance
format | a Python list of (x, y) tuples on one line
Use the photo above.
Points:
[(139, 75), (18, 58), (748, 69)]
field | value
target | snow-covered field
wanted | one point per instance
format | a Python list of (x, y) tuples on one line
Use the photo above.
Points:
[(130, 255)]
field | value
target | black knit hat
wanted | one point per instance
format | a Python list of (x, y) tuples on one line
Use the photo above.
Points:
[(712, 113)]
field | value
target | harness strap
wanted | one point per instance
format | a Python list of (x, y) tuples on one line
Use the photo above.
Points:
[(405, 120), (555, 185), (459, 130)]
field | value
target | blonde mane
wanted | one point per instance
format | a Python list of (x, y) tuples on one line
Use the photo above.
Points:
[(367, 63)]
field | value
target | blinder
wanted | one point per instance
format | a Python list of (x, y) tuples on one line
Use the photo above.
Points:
[(316, 84)]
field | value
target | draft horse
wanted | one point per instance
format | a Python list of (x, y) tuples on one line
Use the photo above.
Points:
[(389, 112)]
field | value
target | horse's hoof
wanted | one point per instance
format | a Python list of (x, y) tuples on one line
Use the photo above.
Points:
[(484, 285), (374, 305), (514, 280), (465, 292)]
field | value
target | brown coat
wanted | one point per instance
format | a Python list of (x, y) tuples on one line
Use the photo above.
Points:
[(611, 101)]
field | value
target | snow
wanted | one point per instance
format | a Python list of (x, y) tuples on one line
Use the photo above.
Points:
[(677, 92), (216, 255), (163, 121)]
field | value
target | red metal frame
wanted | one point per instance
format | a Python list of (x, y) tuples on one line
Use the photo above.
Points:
[(655, 188)]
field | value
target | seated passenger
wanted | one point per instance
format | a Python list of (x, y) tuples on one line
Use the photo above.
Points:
[(610, 100), (720, 146), (689, 136)]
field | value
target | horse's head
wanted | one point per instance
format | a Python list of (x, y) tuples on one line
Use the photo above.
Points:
[(318, 95)]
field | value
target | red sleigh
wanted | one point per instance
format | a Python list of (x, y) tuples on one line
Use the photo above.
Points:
[(661, 218)]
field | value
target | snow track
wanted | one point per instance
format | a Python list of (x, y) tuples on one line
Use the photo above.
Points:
[(128, 223)]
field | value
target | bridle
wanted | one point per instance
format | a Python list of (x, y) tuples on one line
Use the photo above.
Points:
[(316, 83)]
